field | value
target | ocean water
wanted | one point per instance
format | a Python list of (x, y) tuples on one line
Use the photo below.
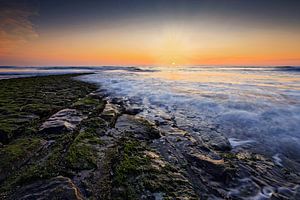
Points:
[(257, 108)]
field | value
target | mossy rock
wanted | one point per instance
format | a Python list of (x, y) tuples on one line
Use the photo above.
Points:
[(49, 166), (141, 172), (90, 104), (7, 130), (38, 109), (16, 153), (86, 101), (95, 125), (229, 156), (36, 96), (132, 161), (82, 153), (128, 165)]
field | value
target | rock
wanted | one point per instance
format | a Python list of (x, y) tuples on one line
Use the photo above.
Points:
[(4, 137), (132, 110), (140, 127), (213, 166), (95, 95), (18, 152), (110, 113), (55, 188), (64, 120), (205, 161), (1, 145), (216, 141)]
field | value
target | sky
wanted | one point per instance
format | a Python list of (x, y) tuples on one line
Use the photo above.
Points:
[(144, 32)]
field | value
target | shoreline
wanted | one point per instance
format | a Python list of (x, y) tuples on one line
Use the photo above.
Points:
[(90, 146)]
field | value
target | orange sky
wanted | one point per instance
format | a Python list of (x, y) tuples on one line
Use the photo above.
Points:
[(147, 42)]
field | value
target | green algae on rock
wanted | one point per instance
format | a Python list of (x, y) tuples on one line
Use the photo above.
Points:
[(18, 152), (26, 156), (25, 102), (82, 152)]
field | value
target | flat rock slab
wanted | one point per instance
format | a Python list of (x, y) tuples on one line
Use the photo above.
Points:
[(65, 120), (216, 141), (139, 126), (110, 113), (55, 188), (214, 166)]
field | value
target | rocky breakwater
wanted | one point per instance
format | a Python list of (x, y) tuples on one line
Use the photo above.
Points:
[(99, 148)]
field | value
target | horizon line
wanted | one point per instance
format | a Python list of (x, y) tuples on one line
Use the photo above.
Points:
[(171, 66)]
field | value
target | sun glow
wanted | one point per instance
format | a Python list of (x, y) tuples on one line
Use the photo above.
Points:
[(173, 46), (162, 44)]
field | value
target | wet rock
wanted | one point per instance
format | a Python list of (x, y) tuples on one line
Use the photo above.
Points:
[(253, 157), (95, 95), (56, 188), (64, 120), (205, 161), (110, 113), (4, 136), (138, 126), (82, 153), (90, 103), (15, 154), (216, 141), (132, 110), (157, 162), (213, 166), (144, 173)]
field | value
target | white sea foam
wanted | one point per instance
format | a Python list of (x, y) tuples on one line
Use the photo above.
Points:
[(236, 142), (257, 107), (277, 159)]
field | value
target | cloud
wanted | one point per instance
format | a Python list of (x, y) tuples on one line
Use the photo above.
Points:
[(16, 27)]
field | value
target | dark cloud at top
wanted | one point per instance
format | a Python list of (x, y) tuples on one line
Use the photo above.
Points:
[(269, 11), (57, 13)]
